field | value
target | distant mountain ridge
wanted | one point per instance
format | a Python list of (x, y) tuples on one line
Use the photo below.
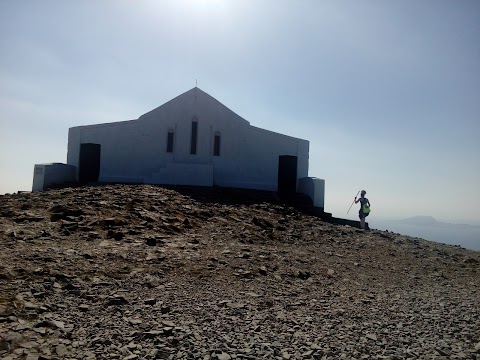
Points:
[(420, 220), (428, 227)]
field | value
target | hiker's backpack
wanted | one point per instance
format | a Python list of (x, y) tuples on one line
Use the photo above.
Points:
[(365, 207)]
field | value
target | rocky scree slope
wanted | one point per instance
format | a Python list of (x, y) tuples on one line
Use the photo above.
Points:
[(145, 272)]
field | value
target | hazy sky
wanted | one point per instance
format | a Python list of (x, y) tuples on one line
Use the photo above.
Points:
[(387, 92)]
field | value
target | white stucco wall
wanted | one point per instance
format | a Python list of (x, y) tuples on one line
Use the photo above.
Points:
[(136, 150), (183, 174)]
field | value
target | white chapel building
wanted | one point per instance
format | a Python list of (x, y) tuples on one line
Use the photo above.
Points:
[(192, 139)]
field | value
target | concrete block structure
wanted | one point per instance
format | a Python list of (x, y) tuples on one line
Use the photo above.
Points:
[(314, 188), (192, 139), (46, 175)]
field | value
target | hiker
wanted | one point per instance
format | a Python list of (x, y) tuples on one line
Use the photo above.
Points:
[(364, 208)]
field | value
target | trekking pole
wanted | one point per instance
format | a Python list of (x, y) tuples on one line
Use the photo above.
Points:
[(353, 201)]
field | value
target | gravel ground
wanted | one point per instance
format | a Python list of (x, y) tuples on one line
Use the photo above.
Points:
[(145, 272)]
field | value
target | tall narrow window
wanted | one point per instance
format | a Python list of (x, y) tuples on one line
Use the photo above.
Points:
[(216, 144), (193, 142), (170, 141)]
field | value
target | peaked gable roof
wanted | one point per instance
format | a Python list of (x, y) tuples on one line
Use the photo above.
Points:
[(191, 98)]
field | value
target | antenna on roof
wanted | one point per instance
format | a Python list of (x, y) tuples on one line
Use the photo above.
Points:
[(196, 83)]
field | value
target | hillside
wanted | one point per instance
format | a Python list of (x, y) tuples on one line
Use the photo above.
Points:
[(145, 272)]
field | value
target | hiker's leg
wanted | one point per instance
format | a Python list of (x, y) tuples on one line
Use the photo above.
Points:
[(362, 223)]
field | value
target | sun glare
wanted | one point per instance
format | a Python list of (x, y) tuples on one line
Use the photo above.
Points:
[(204, 6)]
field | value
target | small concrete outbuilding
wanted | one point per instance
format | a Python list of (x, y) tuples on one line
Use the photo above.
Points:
[(46, 175), (191, 140)]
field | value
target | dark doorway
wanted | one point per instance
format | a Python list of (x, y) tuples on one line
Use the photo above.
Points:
[(287, 174), (89, 164)]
